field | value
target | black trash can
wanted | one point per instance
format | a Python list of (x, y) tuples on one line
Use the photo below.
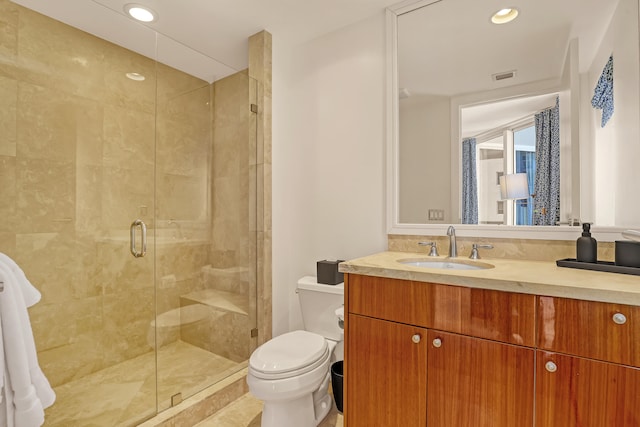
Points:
[(337, 376)]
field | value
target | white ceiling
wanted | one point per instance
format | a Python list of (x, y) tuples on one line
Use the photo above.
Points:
[(443, 40), (216, 31), (450, 41), (478, 119)]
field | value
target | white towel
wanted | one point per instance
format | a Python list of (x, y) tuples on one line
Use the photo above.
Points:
[(29, 292), (26, 390)]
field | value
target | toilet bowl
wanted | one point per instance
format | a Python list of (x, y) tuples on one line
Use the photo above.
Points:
[(291, 372)]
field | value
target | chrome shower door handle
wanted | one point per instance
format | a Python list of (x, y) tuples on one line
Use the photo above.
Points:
[(143, 232)]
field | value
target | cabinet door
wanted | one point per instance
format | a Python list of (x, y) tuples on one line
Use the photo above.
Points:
[(473, 382), (385, 374), (577, 392)]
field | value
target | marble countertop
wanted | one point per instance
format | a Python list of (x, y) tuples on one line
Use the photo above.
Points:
[(529, 277)]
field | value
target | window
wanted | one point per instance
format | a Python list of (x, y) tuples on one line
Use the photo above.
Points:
[(524, 141), (505, 150)]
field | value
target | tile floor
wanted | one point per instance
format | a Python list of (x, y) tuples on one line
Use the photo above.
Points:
[(124, 394), (246, 412)]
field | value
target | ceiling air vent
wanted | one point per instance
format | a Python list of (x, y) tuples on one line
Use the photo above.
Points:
[(504, 75)]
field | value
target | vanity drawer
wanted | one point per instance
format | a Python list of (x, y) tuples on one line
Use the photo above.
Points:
[(396, 300), (596, 330), (501, 316), (496, 315)]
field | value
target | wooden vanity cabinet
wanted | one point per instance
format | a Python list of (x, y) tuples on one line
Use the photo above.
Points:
[(425, 354), (416, 354), (589, 375)]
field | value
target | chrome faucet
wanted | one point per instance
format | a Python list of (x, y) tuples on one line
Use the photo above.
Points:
[(453, 249), (474, 250), (434, 247)]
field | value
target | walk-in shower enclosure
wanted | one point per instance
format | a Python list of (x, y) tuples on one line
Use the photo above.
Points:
[(86, 150)]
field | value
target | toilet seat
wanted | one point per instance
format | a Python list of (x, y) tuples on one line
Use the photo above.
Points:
[(289, 355)]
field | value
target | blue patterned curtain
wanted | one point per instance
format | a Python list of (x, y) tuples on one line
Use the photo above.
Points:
[(546, 204), (603, 93), (469, 182)]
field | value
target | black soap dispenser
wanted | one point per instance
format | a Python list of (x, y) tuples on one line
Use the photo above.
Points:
[(586, 246)]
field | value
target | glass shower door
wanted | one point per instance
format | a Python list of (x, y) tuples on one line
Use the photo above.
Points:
[(77, 150), (126, 266), (205, 230)]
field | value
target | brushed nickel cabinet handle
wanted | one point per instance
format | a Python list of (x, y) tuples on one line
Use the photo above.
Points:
[(619, 319)]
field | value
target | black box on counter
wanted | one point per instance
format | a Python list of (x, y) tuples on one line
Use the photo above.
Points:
[(627, 253), (327, 272)]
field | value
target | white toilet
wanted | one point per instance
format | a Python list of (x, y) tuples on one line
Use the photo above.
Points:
[(290, 373)]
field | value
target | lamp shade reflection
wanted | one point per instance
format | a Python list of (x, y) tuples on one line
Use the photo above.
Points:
[(514, 186)]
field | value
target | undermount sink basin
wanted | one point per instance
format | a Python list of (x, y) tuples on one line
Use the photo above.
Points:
[(445, 264)]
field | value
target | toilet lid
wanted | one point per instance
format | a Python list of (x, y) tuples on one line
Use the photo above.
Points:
[(288, 352)]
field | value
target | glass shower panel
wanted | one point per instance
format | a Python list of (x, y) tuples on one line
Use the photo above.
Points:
[(205, 229), (77, 156)]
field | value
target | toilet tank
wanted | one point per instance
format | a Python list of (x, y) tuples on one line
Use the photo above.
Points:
[(319, 303)]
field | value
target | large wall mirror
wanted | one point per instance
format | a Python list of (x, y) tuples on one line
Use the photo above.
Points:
[(550, 100)]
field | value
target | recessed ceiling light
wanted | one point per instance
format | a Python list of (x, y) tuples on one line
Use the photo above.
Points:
[(504, 15), (135, 76), (140, 13)]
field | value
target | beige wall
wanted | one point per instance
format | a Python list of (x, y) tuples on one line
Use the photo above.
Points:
[(328, 174), (424, 159)]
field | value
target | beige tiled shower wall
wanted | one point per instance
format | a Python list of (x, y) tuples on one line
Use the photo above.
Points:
[(82, 149), (66, 114)]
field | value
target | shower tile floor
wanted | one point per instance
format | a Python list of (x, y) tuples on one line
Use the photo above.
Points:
[(124, 394), (247, 410)]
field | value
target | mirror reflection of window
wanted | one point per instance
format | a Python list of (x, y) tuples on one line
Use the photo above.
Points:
[(493, 147), (524, 141), (505, 135), (490, 166)]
